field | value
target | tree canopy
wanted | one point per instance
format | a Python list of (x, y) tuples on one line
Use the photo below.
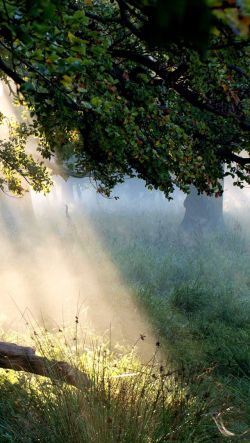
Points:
[(119, 88)]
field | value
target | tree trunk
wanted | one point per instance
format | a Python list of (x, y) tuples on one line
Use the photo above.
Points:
[(203, 213), (23, 358)]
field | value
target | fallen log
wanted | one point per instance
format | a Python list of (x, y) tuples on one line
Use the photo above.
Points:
[(24, 358)]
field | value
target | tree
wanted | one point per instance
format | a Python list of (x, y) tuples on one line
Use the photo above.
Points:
[(119, 88), (203, 213)]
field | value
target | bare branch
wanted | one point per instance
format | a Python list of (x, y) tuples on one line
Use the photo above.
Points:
[(23, 358)]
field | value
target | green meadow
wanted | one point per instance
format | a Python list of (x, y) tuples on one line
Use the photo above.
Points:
[(193, 292)]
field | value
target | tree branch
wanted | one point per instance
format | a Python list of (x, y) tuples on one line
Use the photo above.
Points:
[(23, 358), (170, 77), (239, 70), (125, 18), (194, 98), (133, 12), (17, 79), (225, 153)]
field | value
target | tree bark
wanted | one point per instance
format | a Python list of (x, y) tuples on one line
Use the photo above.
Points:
[(203, 213), (23, 358)]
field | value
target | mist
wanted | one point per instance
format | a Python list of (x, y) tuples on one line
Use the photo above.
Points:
[(56, 268), (52, 272)]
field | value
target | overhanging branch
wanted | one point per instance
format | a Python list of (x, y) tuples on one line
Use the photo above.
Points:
[(170, 77), (226, 154), (12, 74), (171, 81)]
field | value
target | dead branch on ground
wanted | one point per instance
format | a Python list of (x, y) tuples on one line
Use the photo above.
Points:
[(23, 358)]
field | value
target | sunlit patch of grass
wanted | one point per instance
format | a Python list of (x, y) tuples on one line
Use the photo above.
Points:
[(127, 402)]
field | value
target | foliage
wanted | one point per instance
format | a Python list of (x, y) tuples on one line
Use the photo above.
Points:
[(191, 19), (136, 87), (16, 163)]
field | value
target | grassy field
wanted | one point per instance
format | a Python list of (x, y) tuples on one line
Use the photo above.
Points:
[(194, 293)]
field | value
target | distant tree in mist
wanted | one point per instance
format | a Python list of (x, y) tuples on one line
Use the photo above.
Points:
[(123, 87), (202, 212)]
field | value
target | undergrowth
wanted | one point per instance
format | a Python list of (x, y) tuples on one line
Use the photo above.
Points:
[(194, 289), (194, 292), (126, 402)]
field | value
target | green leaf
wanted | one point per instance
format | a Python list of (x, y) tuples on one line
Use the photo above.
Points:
[(26, 87), (95, 101), (49, 10), (80, 48), (80, 16)]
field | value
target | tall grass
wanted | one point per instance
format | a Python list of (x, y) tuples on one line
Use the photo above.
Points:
[(128, 402), (194, 289), (194, 292)]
